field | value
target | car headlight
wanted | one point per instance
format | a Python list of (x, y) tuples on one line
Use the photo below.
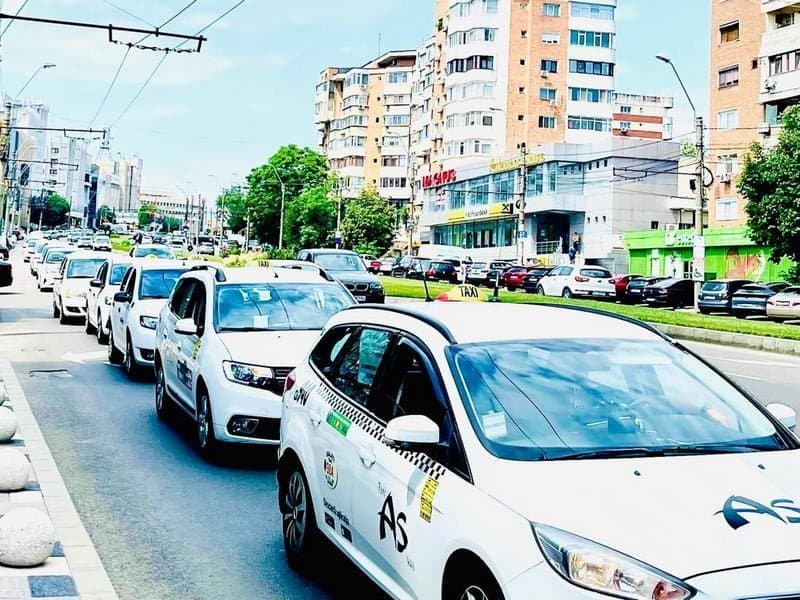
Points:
[(148, 322), (601, 569), (262, 377), (376, 285)]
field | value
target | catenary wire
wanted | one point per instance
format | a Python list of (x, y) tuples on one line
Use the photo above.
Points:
[(130, 14)]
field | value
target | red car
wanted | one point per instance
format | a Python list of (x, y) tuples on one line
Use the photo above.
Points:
[(621, 284), (514, 277)]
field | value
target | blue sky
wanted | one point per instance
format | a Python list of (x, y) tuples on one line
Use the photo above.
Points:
[(206, 117)]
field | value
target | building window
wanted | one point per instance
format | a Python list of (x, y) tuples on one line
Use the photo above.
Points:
[(784, 20), (587, 10), (729, 76), (397, 77), (547, 94), (551, 10), (549, 66), (55, 150), (590, 95), (480, 34), (783, 63), (394, 161), (547, 122), (461, 65), (550, 37), (395, 120), (728, 164), (393, 182), (728, 119), (53, 171), (599, 39), (729, 32), (590, 67), (727, 209), (588, 123)]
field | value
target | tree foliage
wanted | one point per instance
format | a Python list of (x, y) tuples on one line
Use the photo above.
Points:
[(105, 214), (295, 169), (52, 211), (368, 224), (145, 216), (310, 219), (232, 202), (770, 181)]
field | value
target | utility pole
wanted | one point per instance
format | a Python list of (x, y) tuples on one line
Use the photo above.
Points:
[(698, 246), (523, 175), (337, 236)]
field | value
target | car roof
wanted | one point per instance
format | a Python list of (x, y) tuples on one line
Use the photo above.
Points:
[(475, 322), (150, 264), (728, 281), (270, 275), (79, 254)]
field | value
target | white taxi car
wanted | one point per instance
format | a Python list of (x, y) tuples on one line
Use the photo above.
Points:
[(491, 451), (72, 284), (101, 294), (134, 312), (573, 280), (228, 338), (50, 266)]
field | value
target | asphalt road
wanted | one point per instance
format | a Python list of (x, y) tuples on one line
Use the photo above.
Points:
[(167, 524)]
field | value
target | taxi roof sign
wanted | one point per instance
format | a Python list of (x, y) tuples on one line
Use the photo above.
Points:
[(461, 293)]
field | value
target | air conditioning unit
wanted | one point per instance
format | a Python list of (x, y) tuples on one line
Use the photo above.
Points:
[(725, 177), (671, 226), (624, 126), (764, 128), (554, 103), (545, 73)]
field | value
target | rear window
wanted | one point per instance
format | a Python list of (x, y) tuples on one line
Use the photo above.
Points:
[(440, 265), (752, 287), (598, 273), (478, 265), (539, 272), (714, 286)]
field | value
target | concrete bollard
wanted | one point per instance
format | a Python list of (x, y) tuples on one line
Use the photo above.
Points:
[(15, 470), (27, 536), (8, 424)]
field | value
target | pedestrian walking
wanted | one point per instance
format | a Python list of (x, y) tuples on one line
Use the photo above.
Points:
[(576, 242), (572, 254)]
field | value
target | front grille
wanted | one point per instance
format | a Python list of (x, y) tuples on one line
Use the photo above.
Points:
[(357, 287)]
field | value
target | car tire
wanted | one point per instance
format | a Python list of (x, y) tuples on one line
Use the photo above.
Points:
[(88, 327), (511, 288), (162, 397), (102, 338), (476, 583), (56, 313), (114, 355), (62, 318), (301, 536), (540, 291), (132, 368), (740, 315), (566, 293), (704, 311), (207, 444)]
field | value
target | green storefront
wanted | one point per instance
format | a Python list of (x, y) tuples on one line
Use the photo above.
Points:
[(729, 253)]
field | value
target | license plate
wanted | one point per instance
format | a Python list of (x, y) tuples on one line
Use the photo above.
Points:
[(649, 299), (361, 298), (779, 303)]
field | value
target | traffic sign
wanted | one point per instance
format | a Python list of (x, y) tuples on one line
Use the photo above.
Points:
[(523, 234)]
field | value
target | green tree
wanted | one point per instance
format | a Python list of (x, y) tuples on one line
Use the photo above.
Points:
[(105, 214), (52, 211), (368, 224), (170, 224), (146, 212), (770, 180), (297, 169), (232, 202), (310, 219)]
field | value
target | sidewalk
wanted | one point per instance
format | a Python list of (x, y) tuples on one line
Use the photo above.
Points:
[(74, 569)]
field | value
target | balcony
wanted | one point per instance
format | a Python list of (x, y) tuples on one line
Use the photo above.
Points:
[(783, 39), (768, 6)]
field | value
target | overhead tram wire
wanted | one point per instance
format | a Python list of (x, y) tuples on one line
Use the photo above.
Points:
[(11, 22), (130, 14), (163, 58), (128, 51)]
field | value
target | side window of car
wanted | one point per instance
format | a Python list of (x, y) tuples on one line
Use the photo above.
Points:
[(198, 307), (183, 299), (101, 273), (177, 296), (131, 282), (361, 359), (327, 351), (124, 283)]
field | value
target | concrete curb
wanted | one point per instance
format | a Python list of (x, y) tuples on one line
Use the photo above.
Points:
[(727, 338), (84, 565)]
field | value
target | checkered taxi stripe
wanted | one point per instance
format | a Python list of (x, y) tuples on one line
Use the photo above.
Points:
[(50, 580), (423, 462)]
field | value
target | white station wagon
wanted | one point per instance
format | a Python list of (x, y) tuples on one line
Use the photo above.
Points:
[(484, 451)]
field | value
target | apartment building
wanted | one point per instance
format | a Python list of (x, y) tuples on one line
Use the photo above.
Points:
[(641, 116), (363, 116), (70, 168)]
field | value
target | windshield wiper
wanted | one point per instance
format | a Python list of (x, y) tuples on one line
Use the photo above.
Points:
[(687, 449), (224, 329)]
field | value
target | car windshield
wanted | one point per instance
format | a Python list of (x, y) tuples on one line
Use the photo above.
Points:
[(158, 283), (264, 307), (339, 262), (56, 256), (551, 399), (117, 273), (84, 268), (158, 252)]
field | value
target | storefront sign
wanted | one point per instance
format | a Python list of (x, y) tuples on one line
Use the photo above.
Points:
[(437, 179), (474, 212), (678, 238), (507, 165)]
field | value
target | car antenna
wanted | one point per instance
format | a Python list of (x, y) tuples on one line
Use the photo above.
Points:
[(425, 285)]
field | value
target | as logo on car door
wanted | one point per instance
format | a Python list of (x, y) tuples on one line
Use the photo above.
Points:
[(394, 523)]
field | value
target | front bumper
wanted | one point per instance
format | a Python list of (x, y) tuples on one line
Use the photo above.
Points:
[(74, 306), (144, 344), (784, 312), (233, 401)]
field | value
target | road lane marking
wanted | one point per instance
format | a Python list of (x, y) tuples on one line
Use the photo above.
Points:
[(82, 357), (744, 361)]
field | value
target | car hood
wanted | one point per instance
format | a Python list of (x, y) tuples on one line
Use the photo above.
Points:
[(684, 515), (75, 284), (354, 276), (269, 348), (149, 307)]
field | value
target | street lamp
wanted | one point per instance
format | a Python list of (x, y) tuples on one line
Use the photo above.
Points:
[(698, 247), (34, 74), (283, 205)]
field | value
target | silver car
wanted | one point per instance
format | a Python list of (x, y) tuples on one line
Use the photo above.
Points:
[(785, 305)]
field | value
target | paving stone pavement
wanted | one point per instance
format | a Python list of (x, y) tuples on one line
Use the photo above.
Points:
[(74, 569)]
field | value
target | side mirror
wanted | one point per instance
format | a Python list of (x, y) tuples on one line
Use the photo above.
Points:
[(186, 327), (411, 432), (785, 414), (96, 283), (122, 297), (58, 277)]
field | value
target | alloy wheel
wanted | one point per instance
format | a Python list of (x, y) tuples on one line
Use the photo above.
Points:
[(202, 421), (474, 592), (295, 506)]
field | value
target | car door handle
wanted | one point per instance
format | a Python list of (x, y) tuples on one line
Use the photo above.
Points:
[(367, 455), (315, 416)]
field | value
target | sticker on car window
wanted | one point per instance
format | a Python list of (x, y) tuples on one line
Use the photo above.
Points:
[(261, 321), (494, 425)]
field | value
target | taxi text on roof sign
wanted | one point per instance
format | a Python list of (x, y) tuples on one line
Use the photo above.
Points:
[(461, 293)]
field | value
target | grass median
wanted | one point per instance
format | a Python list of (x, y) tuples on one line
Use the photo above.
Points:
[(409, 288)]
